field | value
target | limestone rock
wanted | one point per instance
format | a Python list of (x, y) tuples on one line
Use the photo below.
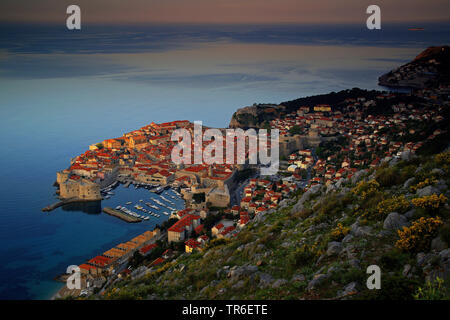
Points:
[(265, 279), (334, 248), (395, 221), (279, 283), (408, 183), (437, 244), (316, 281), (305, 197), (298, 277), (427, 191)]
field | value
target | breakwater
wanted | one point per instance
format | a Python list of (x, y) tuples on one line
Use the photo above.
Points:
[(121, 215), (64, 202)]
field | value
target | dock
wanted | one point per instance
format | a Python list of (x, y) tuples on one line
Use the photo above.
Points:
[(121, 215), (127, 184)]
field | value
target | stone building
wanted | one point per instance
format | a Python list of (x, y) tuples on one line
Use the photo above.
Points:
[(81, 189)]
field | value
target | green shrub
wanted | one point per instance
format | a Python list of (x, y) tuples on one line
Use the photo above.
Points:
[(393, 287), (435, 290), (445, 233), (388, 177), (302, 256), (393, 260), (349, 275)]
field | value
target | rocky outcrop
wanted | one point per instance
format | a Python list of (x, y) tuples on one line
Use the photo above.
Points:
[(305, 197), (429, 69), (254, 116), (395, 221)]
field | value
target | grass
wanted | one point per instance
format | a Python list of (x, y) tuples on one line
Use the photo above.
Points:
[(263, 242)]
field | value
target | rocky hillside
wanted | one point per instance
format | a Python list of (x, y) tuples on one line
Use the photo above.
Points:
[(319, 243), (429, 69)]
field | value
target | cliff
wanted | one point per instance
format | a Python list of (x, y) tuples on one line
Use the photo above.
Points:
[(254, 116)]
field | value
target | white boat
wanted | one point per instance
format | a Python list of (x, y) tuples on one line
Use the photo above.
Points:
[(129, 202), (165, 199), (152, 206)]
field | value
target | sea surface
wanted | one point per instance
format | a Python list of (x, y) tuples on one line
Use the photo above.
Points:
[(61, 91)]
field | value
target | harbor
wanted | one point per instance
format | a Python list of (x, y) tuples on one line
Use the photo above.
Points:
[(155, 201)]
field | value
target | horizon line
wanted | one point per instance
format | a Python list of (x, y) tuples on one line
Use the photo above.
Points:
[(168, 23)]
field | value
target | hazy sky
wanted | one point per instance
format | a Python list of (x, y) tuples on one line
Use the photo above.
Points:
[(223, 11)]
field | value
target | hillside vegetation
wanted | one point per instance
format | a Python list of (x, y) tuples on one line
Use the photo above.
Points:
[(318, 244)]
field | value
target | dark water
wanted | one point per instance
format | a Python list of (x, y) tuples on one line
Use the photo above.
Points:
[(62, 91)]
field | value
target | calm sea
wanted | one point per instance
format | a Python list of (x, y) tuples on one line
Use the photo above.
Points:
[(61, 91)]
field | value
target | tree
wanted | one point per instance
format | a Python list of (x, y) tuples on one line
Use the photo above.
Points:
[(296, 130), (136, 259)]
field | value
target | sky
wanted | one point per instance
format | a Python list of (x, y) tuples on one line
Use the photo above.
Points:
[(222, 11)]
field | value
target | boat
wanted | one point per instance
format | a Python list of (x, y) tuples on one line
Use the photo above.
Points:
[(159, 190), (129, 202), (152, 206), (166, 200)]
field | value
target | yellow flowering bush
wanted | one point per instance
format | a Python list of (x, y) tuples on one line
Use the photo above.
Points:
[(443, 158), (365, 189), (418, 236), (338, 233), (430, 202), (304, 255), (423, 184), (435, 290), (398, 204), (443, 161)]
